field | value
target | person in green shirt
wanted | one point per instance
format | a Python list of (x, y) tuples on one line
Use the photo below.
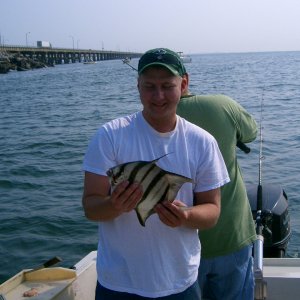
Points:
[(226, 268)]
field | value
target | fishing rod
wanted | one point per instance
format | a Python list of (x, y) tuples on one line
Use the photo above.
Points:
[(128, 64), (260, 292), (261, 157)]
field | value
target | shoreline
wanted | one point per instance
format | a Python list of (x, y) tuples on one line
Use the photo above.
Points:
[(18, 62)]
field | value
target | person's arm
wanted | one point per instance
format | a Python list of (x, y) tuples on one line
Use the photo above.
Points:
[(99, 205), (247, 127), (203, 215)]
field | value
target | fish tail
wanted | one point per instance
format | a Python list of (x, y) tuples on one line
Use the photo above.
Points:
[(141, 220)]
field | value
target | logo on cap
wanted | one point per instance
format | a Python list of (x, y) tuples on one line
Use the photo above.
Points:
[(160, 53)]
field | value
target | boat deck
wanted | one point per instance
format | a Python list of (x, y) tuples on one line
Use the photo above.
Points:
[(283, 278)]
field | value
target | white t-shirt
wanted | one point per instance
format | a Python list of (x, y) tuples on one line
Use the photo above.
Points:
[(155, 260)]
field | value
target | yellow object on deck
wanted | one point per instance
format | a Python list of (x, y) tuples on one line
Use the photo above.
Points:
[(45, 284)]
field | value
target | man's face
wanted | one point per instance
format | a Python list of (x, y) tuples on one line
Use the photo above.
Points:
[(160, 92)]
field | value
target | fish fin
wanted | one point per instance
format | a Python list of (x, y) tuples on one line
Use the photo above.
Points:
[(175, 181), (142, 218), (143, 212), (158, 193), (157, 159)]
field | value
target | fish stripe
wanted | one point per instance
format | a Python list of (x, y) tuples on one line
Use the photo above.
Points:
[(121, 171), (155, 180), (145, 209), (137, 168), (148, 172)]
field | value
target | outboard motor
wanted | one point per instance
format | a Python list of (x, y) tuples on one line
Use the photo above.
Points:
[(275, 218), (269, 205)]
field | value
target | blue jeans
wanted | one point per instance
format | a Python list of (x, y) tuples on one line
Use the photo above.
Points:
[(228, 277), (191, 293)]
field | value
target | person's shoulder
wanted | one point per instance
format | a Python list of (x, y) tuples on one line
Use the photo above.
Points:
[(193, 129), (122, 121), (210, 97), (207, 104)]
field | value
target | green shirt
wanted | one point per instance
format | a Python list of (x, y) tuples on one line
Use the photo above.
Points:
[(228, 122)]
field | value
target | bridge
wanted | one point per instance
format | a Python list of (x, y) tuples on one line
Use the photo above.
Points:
[(51, 55)]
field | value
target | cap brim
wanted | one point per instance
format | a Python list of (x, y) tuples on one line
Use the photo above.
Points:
[(172, 70)]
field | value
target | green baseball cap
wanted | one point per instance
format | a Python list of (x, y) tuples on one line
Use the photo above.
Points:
[(162, 57)]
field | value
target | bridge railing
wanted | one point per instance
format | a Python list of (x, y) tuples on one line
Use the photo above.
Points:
[(70, 50)]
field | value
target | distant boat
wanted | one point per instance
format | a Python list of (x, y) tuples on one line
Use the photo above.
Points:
[(184, 58), (89, 61)]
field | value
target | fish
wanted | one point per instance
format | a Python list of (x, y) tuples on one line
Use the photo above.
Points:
[(158, 184)]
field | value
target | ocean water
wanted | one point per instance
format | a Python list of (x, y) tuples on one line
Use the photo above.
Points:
[(48, 117)]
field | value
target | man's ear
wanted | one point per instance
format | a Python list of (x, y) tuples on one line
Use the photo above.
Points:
[(185, 84)]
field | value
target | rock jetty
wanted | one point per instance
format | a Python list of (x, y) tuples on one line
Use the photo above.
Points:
[(18, 62)]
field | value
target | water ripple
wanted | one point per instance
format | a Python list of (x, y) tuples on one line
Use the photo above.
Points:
[(49, 115)]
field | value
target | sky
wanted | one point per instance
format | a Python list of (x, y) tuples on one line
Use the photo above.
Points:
[(191, 26)]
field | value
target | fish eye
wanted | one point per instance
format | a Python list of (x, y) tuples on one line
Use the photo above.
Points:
[(109, 172)]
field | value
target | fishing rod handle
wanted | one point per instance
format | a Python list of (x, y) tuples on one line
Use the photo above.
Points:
[(243, 147)]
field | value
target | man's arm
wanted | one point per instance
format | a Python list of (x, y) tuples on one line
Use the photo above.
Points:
[(99, 205), (203, 215)]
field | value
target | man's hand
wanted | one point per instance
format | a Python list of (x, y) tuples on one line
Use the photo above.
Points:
[(172, 214)]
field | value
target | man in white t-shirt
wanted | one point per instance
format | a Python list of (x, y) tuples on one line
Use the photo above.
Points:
[(159, 260)]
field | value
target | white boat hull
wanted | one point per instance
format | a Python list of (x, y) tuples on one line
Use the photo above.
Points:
[(282, 276), (186, 59), (55, 283)]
